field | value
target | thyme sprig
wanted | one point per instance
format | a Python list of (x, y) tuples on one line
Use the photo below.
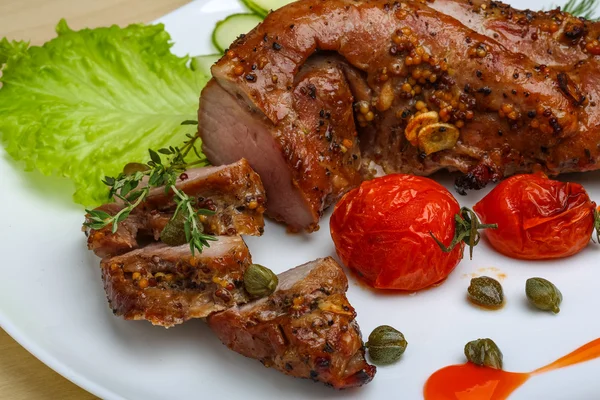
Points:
[(193, 228), (98, 219), (132, 186), (581, 8)]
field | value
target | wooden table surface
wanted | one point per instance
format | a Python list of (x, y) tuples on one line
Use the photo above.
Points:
[(22, 376)]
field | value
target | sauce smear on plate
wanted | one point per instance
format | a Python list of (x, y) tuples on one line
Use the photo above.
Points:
[(471, 382)]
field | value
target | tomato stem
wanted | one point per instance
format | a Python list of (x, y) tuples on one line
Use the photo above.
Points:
[(467, 231)]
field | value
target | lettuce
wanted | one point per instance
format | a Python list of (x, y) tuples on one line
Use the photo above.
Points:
[(88, 102)]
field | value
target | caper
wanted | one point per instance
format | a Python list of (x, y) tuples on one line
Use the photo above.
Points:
[(486, 292), (173, 233), (386, 345), (134, 167), (260, 281), (543, 294), (484, 352)]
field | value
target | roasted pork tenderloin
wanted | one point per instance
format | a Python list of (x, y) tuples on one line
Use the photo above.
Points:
[(168, 285), (305, 329), (234, 192), (467, 86)]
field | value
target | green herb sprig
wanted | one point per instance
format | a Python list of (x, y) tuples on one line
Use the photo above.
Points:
[(98, 219), (581, 8), (194, 230), (129, 187)]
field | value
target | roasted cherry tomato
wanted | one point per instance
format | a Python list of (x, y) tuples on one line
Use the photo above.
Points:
[(384, 231), (538, 218)]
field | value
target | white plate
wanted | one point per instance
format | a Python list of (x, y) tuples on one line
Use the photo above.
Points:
[(52, 301)]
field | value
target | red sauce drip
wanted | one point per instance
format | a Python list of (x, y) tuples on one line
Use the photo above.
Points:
[(470, 382)]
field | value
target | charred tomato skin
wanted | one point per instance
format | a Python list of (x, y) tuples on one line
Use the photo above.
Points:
[(381, 231), (538, 218)]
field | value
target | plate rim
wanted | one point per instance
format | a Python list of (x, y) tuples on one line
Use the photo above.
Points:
[(46, 357)]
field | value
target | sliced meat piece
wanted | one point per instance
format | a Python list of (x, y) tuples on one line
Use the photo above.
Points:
[(234, 192), (168, 286), (307, 161), (104, 243), (305, 329)]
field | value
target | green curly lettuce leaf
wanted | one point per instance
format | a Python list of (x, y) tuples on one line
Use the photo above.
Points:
[(88, 102), (8, 49)]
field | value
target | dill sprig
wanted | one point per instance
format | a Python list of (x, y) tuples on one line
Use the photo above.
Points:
[(581, 8), (132, 186)]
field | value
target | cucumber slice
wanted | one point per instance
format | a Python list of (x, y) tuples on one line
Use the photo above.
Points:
[(202, 64), (231, 27), (262, 7)]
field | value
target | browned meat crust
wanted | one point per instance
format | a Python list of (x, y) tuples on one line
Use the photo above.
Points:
[(168, 286), (235, 192), (306, 329), (552, 38), (516, 109), (309, 160)]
